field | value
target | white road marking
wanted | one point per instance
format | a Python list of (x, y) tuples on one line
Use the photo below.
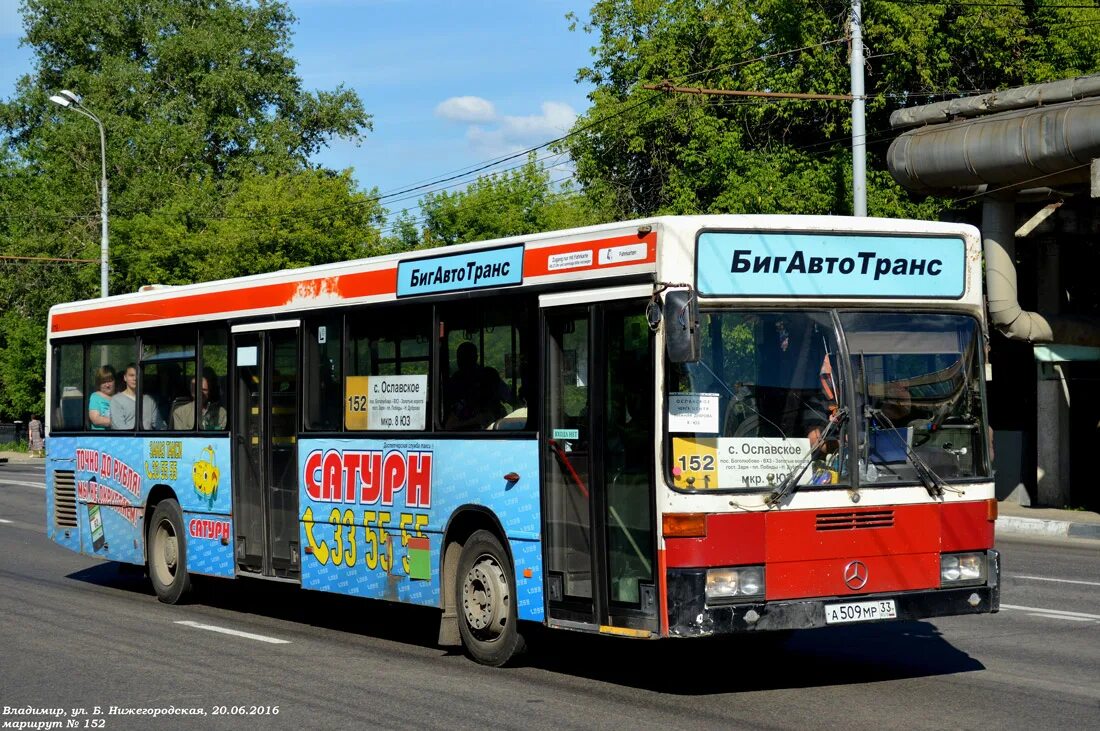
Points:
[(4, 521), (1057, 616), (39, 485), (235, 633), (1060, 581), (1061, 614)]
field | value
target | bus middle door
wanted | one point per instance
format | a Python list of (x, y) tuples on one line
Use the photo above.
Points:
[(265, 449)]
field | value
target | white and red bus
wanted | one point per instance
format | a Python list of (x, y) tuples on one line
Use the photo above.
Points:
[(670, 427)]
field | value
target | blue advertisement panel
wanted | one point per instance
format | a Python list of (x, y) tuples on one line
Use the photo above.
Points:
[(113, 477), (823, 264), (373, 513), (209, 544), (467, 270)]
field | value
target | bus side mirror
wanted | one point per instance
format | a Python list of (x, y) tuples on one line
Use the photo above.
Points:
[(681, 318)]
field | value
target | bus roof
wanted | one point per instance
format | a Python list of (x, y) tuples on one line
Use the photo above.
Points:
[(603, 252)]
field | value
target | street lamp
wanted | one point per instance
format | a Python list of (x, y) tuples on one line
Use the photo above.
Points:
[(69, 100)]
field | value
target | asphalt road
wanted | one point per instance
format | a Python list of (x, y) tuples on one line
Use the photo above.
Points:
[(79, 633)]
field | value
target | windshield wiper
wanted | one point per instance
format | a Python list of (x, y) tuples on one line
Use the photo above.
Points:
[(790, 483), (932, 482)]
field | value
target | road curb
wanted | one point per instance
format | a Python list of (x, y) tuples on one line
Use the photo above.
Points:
[(1041, 527), (1084, 530)]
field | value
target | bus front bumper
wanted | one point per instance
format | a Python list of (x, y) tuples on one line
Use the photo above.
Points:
[(690, 616)]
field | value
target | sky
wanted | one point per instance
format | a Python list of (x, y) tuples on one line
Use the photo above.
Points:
[(450, 83)]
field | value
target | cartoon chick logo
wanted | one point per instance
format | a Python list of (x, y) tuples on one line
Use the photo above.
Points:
[(205, 476)]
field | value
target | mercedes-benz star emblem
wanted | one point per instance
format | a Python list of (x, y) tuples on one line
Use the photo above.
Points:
[(855, 575)]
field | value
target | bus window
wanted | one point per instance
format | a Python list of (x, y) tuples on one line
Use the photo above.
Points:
[(390, 352), (215, 366), (68, 405), (106, 359), (484, 366), (168, 381), (324, 380)]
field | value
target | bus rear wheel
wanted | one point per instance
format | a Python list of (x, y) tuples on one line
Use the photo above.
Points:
[(167, 553), (486, 601)]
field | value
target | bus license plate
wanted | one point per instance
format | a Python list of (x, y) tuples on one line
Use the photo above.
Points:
[(860, 611)]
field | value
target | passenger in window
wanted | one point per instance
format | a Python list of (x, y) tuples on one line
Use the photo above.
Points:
[(475, 396), (124, 405), (214, 416), (99, 403)]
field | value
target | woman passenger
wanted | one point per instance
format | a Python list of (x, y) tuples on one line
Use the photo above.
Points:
[(99, 403)]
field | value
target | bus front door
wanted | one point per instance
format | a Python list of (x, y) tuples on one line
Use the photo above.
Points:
[(266, 450), (598, 462)]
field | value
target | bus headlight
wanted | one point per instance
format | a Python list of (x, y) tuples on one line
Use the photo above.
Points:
[(735, 584), (957, 569)]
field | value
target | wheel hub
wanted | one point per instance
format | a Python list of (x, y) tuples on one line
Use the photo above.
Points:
[(485, 598), (171, 552), (166, 548)]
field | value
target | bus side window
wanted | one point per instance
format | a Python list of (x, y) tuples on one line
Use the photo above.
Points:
[(323, 380), (394, 343), (103, 357), (168, 381), (214, 411), (484, 366), (68, 364)]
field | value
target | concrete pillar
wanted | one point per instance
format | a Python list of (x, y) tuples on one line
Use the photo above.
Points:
[(1052, 437), (1052, 410)]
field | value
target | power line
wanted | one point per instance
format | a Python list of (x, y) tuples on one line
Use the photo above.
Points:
[(4, 257), (667, 86), (1018, 5)]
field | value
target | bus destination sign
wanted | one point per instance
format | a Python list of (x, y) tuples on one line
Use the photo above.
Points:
[(478, 269), (787, 264)]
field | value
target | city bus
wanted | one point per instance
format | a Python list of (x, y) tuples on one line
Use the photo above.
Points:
[(674, 427)]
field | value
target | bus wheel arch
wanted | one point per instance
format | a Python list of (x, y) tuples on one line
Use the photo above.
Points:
[(478, 588), (166, 546)]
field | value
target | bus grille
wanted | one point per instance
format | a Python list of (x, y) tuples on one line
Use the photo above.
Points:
[(64, 498), (852, 521)]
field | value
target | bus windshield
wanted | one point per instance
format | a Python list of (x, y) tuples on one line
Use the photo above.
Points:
[(919, 395), (770, 398)]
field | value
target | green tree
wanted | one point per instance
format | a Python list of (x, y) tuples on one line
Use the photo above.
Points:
[(521, 201), (648, 152), (209, 136), (277, 222), (21, 371)]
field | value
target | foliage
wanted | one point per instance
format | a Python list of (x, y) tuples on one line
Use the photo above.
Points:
[(208, 135), (21, 369), (511, 203), (676, 153)]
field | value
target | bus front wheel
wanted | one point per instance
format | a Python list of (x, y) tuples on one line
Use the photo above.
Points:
[(486, 601), (167, 553)]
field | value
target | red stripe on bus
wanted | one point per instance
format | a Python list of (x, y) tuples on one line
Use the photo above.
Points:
[(741, 539), (258, 297), (965, 527), (536, 262), (733, 539), (825, 577), (807, 535)]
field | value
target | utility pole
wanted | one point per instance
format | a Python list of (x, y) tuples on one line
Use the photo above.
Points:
[(859, 123)]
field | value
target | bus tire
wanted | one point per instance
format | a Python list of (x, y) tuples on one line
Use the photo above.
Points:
[(485, 596), (167, 553)]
